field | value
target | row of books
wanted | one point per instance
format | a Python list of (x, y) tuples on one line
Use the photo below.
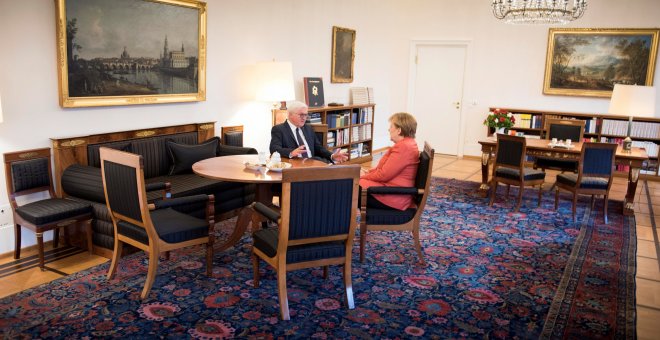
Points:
[(361, 132), (340, 119), (359, 150), (314, 118), (637, 129), (650, 147), (338, 137), (649, 167), (362, 95), (527, 121), (363, 115)]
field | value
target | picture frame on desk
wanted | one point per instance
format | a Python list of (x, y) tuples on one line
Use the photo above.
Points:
[(313, 87), (589, 61), (343, 54), (128, 52)]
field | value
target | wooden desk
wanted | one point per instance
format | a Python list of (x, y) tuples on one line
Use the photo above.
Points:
[(539, 147), (232, 169)]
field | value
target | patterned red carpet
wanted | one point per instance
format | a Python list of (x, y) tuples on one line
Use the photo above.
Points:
[(491, 274)]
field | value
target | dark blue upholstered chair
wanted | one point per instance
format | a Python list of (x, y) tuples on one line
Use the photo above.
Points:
[(376, 219), (29, 172), (232, 135), (509, 168), (562, 129), (316, 226), (594, 175), (156, 227)]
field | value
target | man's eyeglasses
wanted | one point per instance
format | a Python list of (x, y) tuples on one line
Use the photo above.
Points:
[(303, 115)]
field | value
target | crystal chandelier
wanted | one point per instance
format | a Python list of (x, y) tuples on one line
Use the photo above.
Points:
[(538, 11)]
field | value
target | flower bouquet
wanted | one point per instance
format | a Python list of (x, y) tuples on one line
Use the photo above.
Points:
[(500, 120)]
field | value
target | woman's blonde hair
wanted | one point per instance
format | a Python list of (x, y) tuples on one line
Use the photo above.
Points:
[(406, 122)]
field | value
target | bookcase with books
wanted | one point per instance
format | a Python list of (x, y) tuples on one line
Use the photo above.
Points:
[(645, 132), (349, 128)]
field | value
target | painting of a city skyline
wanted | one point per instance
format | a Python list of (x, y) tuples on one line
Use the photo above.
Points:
[(588, 62), (124, 52)]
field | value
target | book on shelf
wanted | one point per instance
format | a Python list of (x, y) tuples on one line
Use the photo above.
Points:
[(359, 96), (313, 87)]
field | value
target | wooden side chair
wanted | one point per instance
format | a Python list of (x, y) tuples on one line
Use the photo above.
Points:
[(509, 168), (373, 219), (29, 172), (232, 135), (156, 227), (562, 129), (316, 226), (594, 177)]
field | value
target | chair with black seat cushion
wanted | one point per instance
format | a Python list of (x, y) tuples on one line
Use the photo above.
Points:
[(562, 129), (378, 219), (509, 168), (316, 226), (232, 135), (29, 172), (594, 176), (156, 227)]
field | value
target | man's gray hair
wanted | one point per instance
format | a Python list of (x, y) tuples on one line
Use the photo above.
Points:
[(295, 106)]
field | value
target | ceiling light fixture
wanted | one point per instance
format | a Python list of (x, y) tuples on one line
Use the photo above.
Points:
[(538, 11)]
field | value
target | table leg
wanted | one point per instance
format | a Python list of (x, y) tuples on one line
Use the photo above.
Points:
[(485, 159), (247, 215), (629, 201)]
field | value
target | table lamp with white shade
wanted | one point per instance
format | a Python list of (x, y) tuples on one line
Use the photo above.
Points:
[(632, 100), (274, 83)]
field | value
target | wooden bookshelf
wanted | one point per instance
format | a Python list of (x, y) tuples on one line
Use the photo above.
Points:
[(599, 127), (347, 127)]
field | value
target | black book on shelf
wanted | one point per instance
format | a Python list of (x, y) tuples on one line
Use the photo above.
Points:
[(314, 91)]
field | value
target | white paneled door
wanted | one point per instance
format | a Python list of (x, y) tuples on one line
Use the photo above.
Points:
[(436, 94)]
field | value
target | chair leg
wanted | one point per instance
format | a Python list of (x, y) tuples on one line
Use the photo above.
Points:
[(574, 205), (255, 271), (492, 192), (151, 274), (40, 243), (521, 189), (418, 244), (209, 259), (325, 272), (348, 285), (556, 197), (88, 231), (17, 241), (540, 194), (605, 208), (116, 255), (56, 237), (593, 201), (281, 291), (508, 188), (363, 239)]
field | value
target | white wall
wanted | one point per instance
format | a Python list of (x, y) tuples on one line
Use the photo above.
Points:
[(505, 67)]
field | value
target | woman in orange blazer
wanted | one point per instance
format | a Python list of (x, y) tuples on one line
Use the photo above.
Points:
[(397, 167)]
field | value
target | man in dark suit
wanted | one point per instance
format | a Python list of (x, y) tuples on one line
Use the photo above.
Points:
[(295, 139)]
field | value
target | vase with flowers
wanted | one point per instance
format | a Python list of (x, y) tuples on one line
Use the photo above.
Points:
[(500, 120)]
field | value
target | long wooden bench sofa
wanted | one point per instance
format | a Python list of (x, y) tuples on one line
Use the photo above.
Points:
[(78, 173)]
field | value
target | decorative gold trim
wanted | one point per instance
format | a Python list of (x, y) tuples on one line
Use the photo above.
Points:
[(654, 32), (334, 78), (28, 155), (484, 186), (206, 127), (485, 156), (72, 143), (634, 174), (145, 133), (63, 73)]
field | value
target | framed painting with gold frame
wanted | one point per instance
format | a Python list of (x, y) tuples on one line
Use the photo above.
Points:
[(589, 61), (343, 54), (126, 52)]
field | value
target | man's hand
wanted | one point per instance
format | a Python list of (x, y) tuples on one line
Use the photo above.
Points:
[(339, 157), (298, 151)]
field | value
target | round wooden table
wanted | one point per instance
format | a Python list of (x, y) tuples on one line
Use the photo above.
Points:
[(232, 169)]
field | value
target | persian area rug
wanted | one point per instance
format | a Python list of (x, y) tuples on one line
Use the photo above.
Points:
[(491, 273)]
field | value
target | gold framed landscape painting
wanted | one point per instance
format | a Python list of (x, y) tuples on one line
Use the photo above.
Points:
[(126, 52), (343, 55), (588, 62)]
